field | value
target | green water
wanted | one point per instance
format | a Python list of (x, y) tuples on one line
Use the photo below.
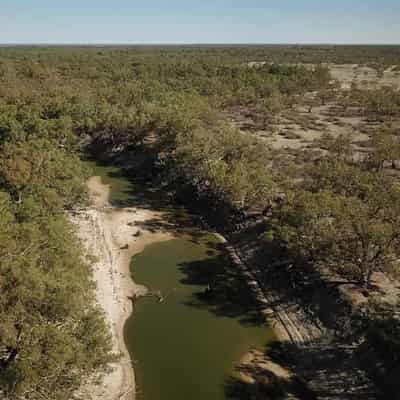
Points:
[(122, 190), (187, 346)]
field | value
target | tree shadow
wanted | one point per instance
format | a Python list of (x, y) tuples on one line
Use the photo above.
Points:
[(141, 192), (225, 293), (265, 385), (317, 370), (269, 376), (137, 190), (332, 364), (263, 388)]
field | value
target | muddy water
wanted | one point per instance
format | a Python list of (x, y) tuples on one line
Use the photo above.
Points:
[(187, 341)]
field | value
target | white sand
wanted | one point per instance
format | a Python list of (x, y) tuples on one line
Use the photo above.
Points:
[(104, 231)]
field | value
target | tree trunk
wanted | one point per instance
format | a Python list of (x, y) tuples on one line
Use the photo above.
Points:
[(366, 276)]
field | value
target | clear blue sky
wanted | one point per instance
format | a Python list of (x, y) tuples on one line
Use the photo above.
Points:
[(201, 21)]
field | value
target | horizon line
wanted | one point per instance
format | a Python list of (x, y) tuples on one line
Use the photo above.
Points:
[(89, 44)]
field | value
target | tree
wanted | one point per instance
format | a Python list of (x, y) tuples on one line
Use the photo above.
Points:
[(380, 102), (335, 175), (385, 148), (328, 92), (49, 323), (338, 148), (355, 237), (225, 164), (272, 106), (41, 169)]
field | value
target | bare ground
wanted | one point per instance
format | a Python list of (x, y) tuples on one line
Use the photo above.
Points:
[(108, 234)]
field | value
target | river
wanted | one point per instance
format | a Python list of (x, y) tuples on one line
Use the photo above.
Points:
[(187, 342)]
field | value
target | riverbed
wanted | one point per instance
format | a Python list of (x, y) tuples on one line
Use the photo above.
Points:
[(187, 338)]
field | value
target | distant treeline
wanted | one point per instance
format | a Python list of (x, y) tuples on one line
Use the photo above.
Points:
[(374, 55)]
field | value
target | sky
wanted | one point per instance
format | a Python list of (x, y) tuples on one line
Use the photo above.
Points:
[(200, 21)]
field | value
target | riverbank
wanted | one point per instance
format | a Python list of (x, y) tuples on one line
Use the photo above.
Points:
[(112, 236), (163, 220), (314, 359)]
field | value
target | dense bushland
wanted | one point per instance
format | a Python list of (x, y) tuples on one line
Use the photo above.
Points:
[(345, 218), (52, 335), (169, 104), (53, 104)]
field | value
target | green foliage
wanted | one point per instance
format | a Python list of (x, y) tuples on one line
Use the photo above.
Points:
[(38, 170), (339, 148), (348, 220), (341, 178), (52, 335), (384, 101), (48, 320), (169, 104), (385, 148), (231, 166)]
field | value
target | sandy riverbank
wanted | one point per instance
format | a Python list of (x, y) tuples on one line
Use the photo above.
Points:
[(108, 234), (106, 231)]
